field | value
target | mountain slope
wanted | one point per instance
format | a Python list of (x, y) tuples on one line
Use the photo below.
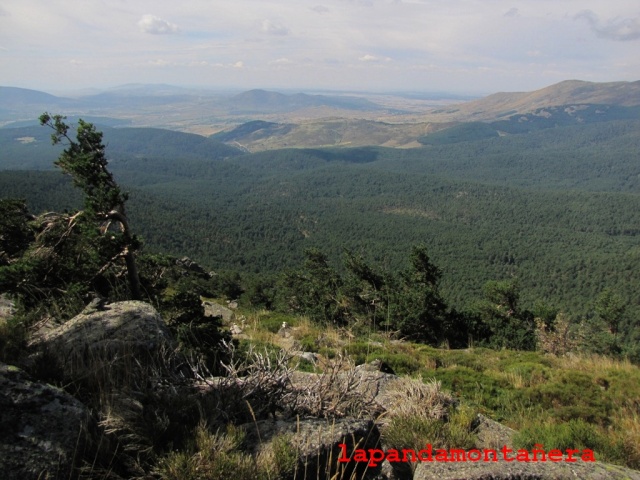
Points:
[(564, 93), (255, 101), (258, 135), (30, 147), (21, 103)]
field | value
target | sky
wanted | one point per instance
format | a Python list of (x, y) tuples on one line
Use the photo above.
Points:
[(458, 46)]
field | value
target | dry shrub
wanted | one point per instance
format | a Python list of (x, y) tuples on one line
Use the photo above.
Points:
[(596, 364), (558, 340), (262, 385), (412, 398), (628, 422), (339, 391), (422, 413)]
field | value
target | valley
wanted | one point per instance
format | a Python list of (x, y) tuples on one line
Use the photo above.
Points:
[(548, 196)]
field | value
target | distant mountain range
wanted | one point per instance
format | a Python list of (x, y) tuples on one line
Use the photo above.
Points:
[(265, 120), (132, 100), (567, 103), (265, 101), (500, 105), (16, 100)]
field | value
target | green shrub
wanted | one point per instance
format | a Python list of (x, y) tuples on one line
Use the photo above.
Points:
[(285, 456), (328, 352), (363, 351), (13, 337), (198, 335), (306, 366), (574, 434), (213, 456), (479, 388), (531, 373), (401, 363), (273, 321), (571, 395), (309, 343), (413, 432)]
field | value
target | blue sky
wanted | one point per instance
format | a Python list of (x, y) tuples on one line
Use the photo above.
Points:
[(461, 46)]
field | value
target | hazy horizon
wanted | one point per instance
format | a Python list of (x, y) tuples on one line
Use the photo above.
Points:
[(459, 46)]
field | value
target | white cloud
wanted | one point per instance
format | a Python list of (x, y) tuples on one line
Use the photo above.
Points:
[(320, 9), (272, 28), (160, 63), (499, 44), (157, 26), (619, 29), (513, 12), (373, 58)]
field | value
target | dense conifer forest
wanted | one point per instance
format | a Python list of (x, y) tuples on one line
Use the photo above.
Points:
[(555, 211)]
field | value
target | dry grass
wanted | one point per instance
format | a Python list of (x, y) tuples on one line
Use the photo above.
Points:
[(595, 364), (627, 422), (413, 398), (519, 380)]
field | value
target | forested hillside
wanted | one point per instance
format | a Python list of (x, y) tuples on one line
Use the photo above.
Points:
[(556, 209)]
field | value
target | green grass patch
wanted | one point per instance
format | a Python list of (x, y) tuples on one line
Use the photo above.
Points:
[(272, 322), (574, 434), (571, 396), (480, 389)]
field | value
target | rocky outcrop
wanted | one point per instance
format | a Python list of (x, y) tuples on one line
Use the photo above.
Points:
[(191, 266), (117, 345), (491, 434), (212, 309), (44, 429), (502, 470)]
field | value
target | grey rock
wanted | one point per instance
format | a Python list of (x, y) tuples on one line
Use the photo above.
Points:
[(502, 470), (95, 305), (492, 434), (307, 356), (44, 429), (192, 266), (284, 331), (124, 345), (376, 365), (212, 309)]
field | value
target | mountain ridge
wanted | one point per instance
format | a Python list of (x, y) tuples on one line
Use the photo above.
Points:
[(303, 120), (497, 105)]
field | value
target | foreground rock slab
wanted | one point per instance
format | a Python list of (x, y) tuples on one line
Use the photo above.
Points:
[(119, 343), (44, 429), (523, 471)]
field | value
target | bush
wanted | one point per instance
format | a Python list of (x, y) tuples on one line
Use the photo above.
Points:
[(213, 456), (272, 322), (12, 339), (571, 396), (414, 431), (199, 336), (479, 388), (575, 434)]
